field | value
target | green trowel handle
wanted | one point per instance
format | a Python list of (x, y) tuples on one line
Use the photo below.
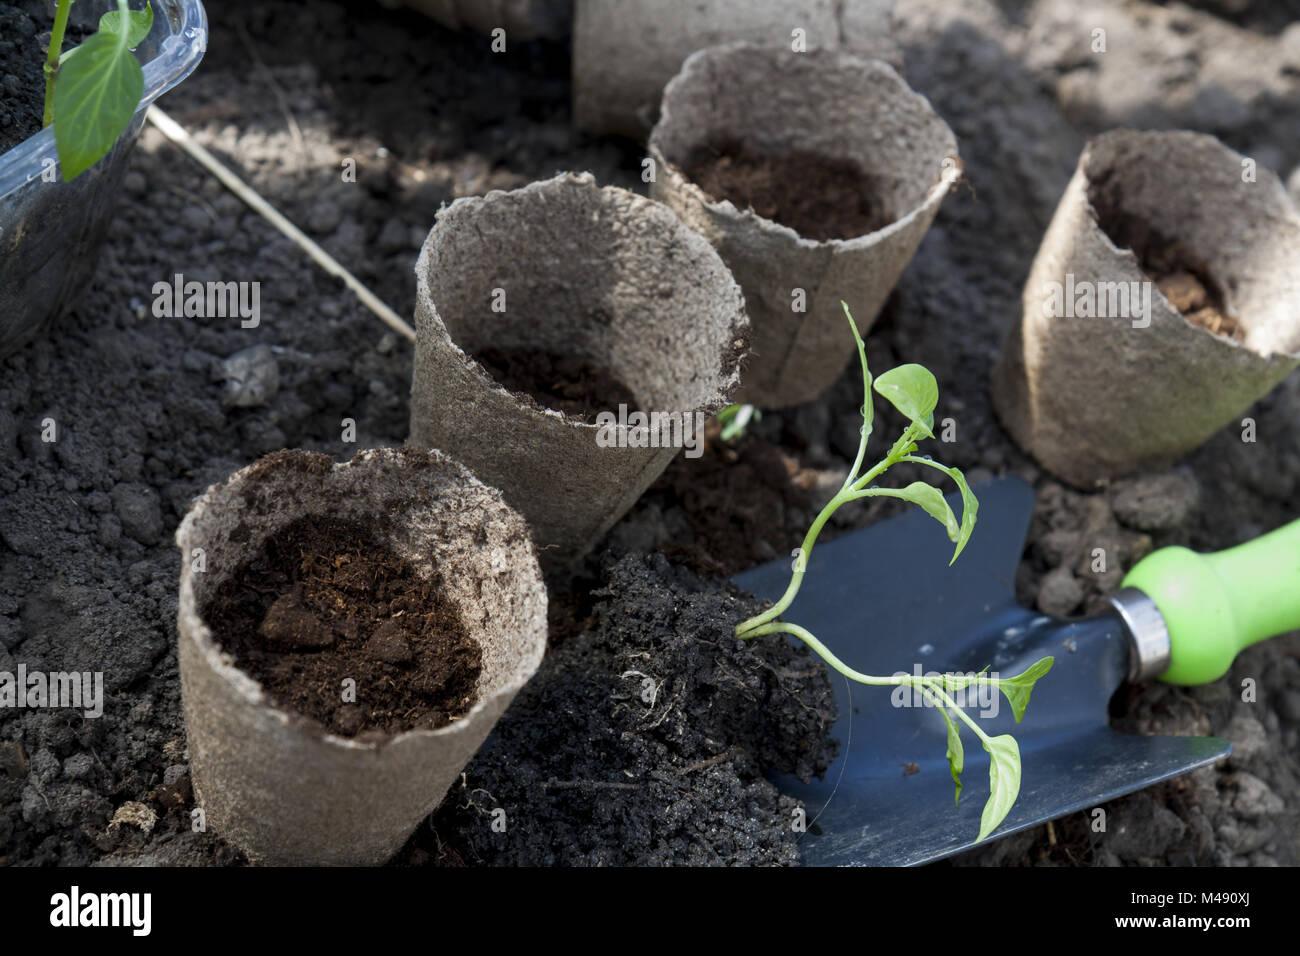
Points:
[(1214, 605)]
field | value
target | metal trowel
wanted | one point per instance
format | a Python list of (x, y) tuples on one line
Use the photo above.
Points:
[(884, 599)]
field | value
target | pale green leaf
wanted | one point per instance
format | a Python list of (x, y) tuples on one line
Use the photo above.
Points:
[(970, 507), (956, 755), (868, 406), (931, 499), (970, 504), (97, 91), (139, 22), (913, 391), (1004, 782), (1018, 688)]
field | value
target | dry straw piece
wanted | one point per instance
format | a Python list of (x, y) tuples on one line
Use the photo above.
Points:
[(1093, 398), (279, 786), (839, 106), (575, 270), (624, 51)]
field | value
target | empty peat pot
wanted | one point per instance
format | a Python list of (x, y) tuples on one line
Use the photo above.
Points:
[(1164, 300), (564, 270), (624, 51), (837, 145), (279, 785)]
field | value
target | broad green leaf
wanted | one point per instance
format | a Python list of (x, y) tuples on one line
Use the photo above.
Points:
[(914, 392), (1019, 688), (1004, 782), (95, 95), (931, 499), (139, 23), (956, 756)]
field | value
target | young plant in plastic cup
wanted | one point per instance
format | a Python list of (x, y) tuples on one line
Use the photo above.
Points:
[(92, 90)]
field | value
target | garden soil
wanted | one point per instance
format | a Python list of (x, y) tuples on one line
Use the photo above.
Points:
[(149, 411)]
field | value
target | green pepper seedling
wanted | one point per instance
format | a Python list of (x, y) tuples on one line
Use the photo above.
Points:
[(913, 390)]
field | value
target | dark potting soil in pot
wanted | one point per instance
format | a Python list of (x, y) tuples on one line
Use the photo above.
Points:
[(1181, 279), (324, 601), (24, 39), (817, 196), (567, 384)]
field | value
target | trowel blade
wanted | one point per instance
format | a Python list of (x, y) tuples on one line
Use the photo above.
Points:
[(884, 599)]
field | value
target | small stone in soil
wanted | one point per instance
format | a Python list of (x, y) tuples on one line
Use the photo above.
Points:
[(252, 377)]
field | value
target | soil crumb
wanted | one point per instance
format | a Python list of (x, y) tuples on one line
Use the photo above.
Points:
[(567, 384), (1185, 282), (816, 196), (324, 601), (645, 740)]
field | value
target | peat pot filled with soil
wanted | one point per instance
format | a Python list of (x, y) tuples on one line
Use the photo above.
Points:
[(1163, 302), (570, 341), (51, 230), (349, 634), (815, 175)]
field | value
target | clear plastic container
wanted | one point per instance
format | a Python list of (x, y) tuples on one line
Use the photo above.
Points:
[(51, 232)]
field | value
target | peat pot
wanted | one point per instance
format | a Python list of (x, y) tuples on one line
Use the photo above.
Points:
[(1163, 302), (51, 231), (857, 164), (565, 269), (281, 787), (624, 51)]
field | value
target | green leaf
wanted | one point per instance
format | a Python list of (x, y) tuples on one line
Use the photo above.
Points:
[(734, 419), (914, 392), (139, 23), (970, 504), (96, 94), (956, 756), (931, 499), (970, 507), (868, 407), (1019, 688), (1004, 782)]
